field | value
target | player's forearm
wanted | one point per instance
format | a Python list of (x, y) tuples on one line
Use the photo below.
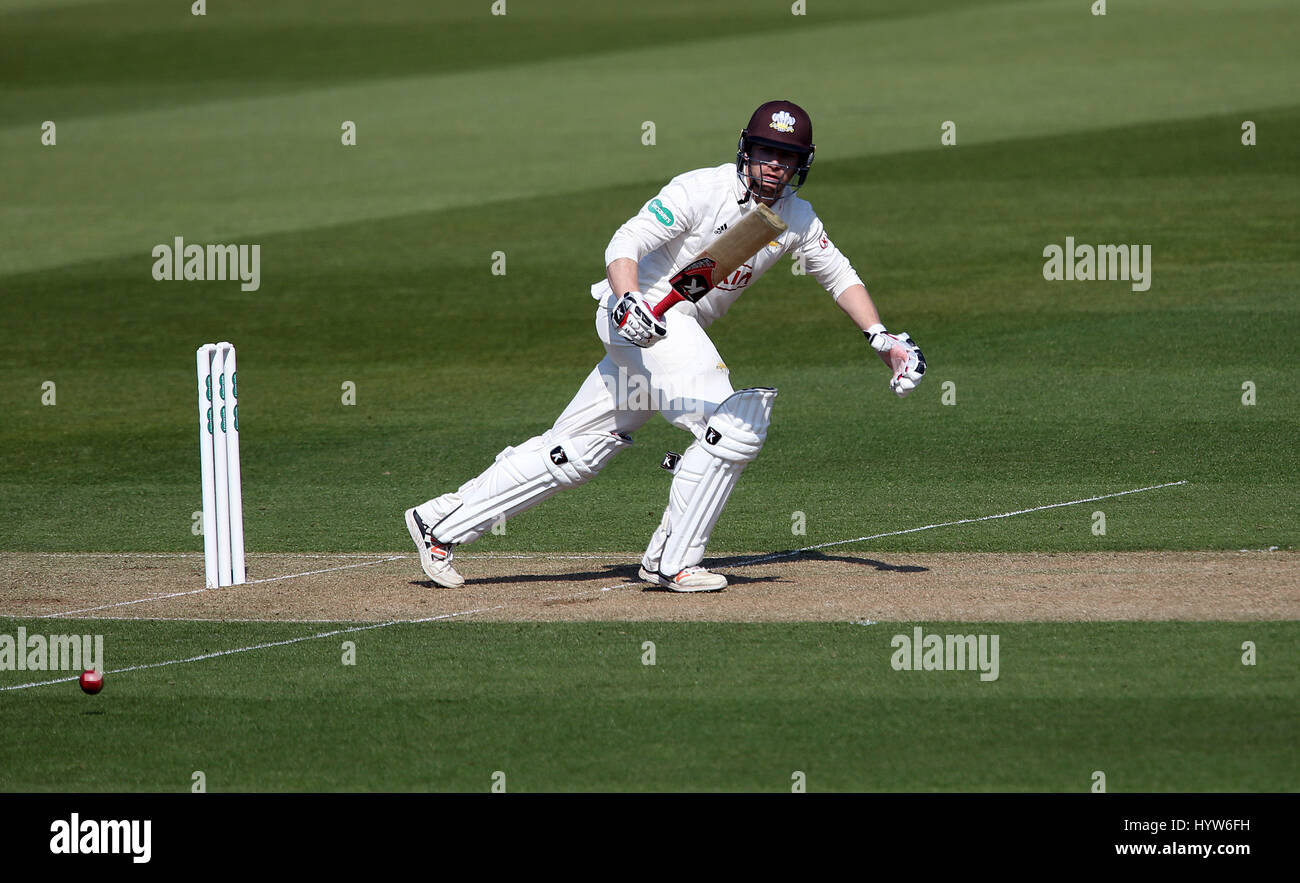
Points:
[(855, 301), (622, 274)]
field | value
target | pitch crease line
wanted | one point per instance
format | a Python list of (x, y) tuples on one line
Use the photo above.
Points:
[(205, 589), (758, 560), (308, 555), (197, 554), (895, 533)]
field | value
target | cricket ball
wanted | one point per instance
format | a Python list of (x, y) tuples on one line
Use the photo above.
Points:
[(92, 681)]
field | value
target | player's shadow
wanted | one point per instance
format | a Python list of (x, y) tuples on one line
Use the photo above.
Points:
[(610, 572), (628, 572), (814, 555)]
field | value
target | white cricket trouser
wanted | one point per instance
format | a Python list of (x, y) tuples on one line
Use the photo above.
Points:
[(681, 376)]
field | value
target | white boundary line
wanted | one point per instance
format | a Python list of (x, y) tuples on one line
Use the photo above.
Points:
[(221, 619), (299, 640), (369, 626)]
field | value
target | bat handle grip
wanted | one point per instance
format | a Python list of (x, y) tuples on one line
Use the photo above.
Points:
[(670, 300)]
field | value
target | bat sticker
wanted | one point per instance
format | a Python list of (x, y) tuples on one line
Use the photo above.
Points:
[(694, 280)]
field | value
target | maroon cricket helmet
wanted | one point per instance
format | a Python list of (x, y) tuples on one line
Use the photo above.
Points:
[(783, 125)]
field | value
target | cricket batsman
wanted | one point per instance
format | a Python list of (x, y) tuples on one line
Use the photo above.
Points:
[(673, 270)]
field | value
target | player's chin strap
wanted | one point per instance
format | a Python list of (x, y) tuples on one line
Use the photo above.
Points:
[(704, 477), (744, 179)]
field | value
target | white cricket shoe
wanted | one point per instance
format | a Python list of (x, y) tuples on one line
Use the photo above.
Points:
[(690, 579), (435, 557)]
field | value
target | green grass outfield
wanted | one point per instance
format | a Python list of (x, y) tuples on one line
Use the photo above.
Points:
[(523, 134), (1156, 707), (376, 270)]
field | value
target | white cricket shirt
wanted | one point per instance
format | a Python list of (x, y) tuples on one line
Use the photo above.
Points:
[(695, 208)]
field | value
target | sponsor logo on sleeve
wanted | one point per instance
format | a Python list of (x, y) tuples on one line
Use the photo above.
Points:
[(660, 211)]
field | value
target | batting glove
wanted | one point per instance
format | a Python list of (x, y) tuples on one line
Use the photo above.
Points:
[(904, 357), (636, 320)]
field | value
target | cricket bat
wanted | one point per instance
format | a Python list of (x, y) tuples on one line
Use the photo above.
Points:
[(722, 257)]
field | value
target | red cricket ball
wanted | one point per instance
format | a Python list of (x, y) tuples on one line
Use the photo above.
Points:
[(92, 681)]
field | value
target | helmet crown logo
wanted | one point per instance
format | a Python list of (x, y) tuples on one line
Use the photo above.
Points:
[(782, 121)]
